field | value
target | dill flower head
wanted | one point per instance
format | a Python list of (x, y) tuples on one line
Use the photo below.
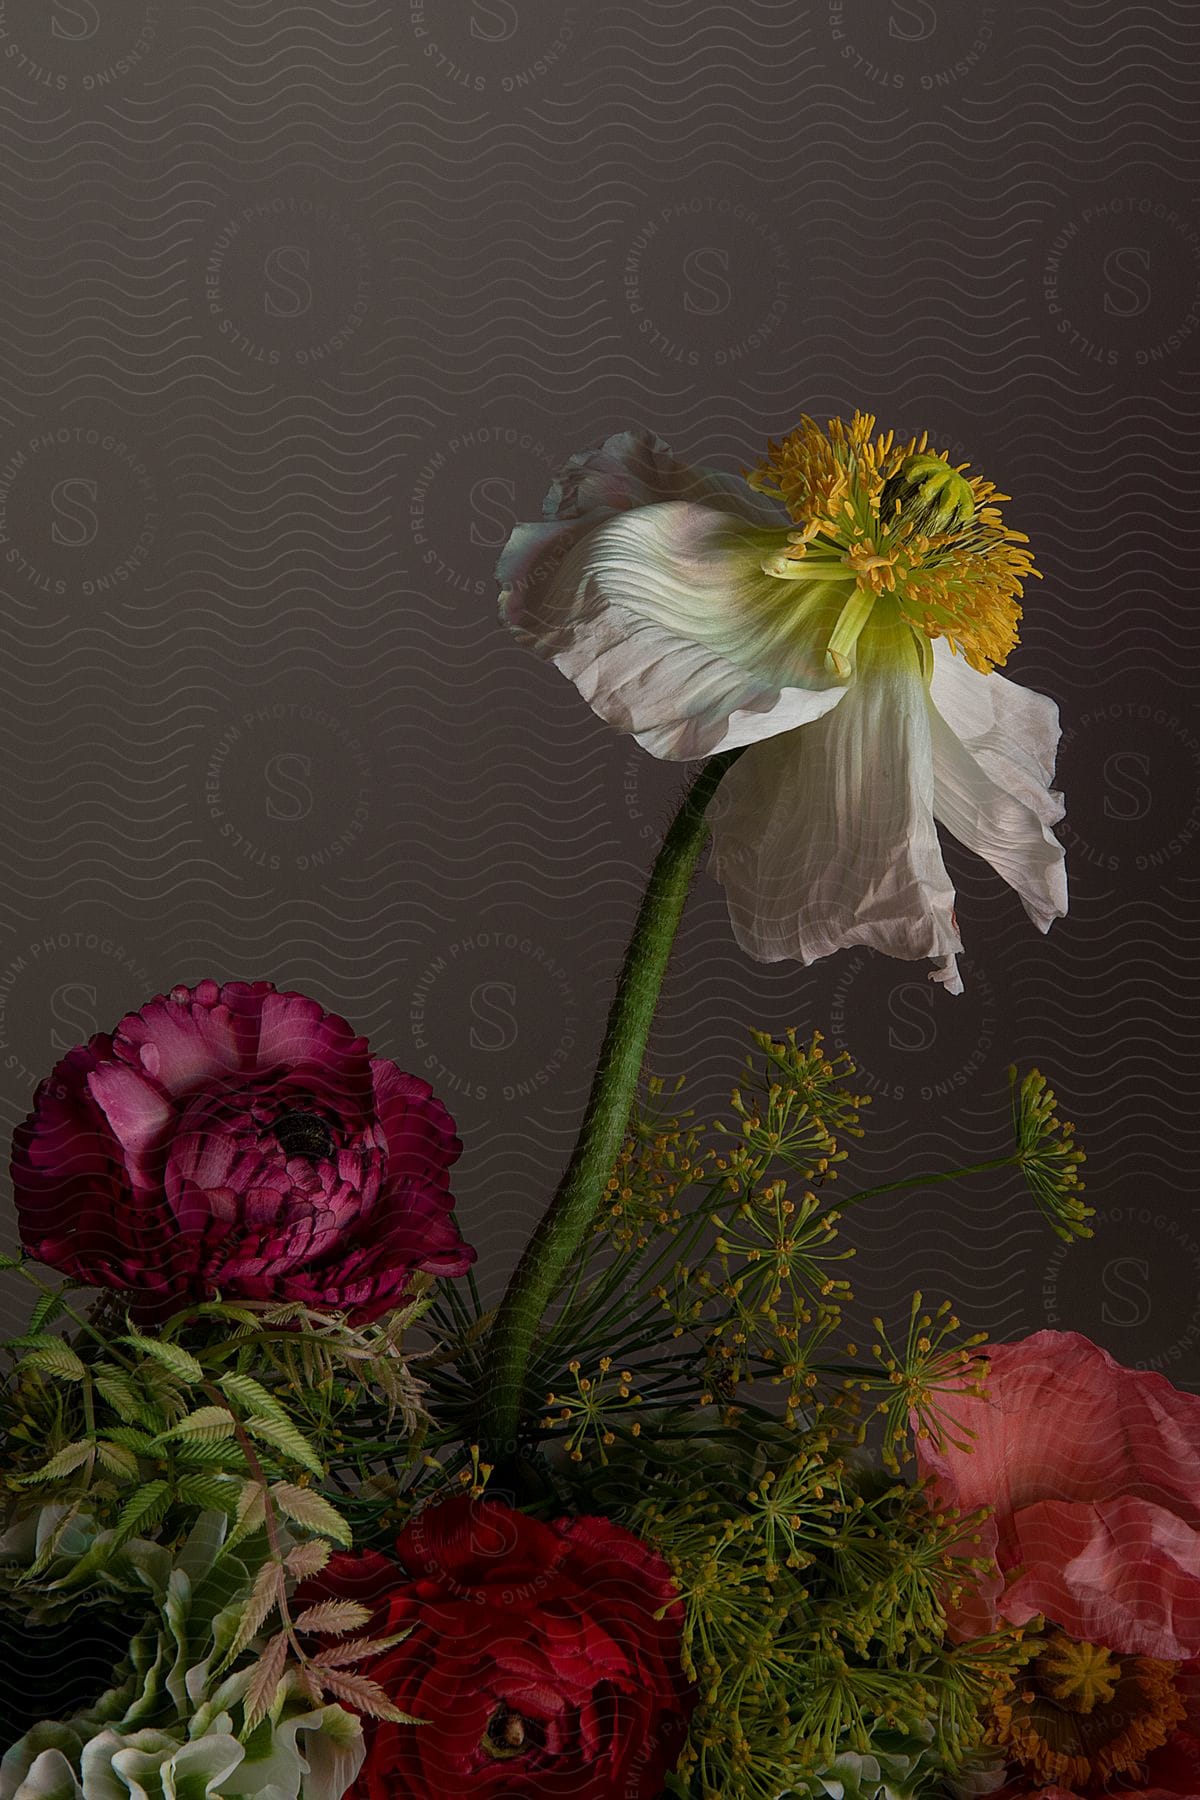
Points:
[(1048, 1156)]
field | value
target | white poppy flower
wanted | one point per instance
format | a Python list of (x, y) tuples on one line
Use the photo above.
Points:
[(840, 612)]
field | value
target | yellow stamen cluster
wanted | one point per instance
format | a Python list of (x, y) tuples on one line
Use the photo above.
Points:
[(1080, 1716), (881, 513)]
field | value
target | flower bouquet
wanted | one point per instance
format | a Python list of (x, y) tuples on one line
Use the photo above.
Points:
[(288, 1511)]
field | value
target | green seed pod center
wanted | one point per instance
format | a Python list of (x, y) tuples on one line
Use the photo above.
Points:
[(929, 495)]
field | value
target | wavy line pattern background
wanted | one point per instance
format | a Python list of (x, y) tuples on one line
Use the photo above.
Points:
[(305, 304)]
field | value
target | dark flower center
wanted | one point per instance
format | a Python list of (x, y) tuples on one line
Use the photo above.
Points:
[(1079, 1716), (303, 1134), (509, 1734)]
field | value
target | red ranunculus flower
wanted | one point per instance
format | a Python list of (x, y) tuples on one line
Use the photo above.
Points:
[(239, 1140), (1093, 1474), (535, 1658)]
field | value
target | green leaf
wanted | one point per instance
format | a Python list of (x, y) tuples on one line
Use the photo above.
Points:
[(195, 1453), (209, 1492), (64, 1462), (173, 1357), (117, 1459), (128, 1436), (80, 1572), (290, 1310), (144, 1509), (249, 1521), (222, 1309), (270, 1588), (121, 1397), (164, 1391), (47, 1308), (54, 1537), (11, 1262), (208, 1425), (34, 1340), (253, 1396), (251, 1511), (312, 1510), (58, 1359), (283, 1435)]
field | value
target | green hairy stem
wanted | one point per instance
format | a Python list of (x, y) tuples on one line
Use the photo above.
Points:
[(568, 1218)]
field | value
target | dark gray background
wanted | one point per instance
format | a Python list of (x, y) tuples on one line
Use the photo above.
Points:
[(305, 303)]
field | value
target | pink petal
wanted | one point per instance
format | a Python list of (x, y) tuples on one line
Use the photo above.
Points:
[(418, 1131), (1093, 1471), (295, 1032), (1062, 1420), (181, 1044), (1120, 1572), (138, 1112)]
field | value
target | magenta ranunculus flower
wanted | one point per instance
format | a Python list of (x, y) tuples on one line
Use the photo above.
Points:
[(236, 1140)]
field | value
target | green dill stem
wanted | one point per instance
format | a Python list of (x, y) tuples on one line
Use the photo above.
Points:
[(473, 1286), (592, 1317), (890, 1187), (563, 1226)]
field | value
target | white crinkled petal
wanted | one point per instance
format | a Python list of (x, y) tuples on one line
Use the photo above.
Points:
[(825, 838), (946, 975), (665, 622), (1000, 823), (633, 469), (1011, 732), (636, 468)]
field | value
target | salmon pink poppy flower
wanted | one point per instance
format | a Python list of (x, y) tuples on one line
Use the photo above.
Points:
[(1092, 1472)]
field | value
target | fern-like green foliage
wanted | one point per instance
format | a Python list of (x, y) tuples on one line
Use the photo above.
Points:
[(220, 1404)]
